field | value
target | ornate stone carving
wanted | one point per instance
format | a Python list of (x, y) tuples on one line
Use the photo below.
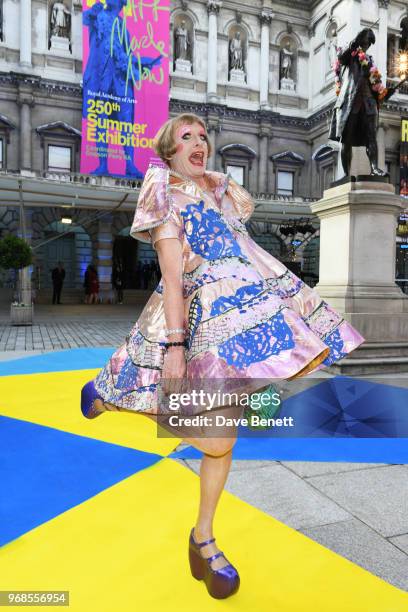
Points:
[(213, 7), (266, 17)]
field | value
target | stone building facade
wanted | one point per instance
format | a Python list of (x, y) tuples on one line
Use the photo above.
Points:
[(259, 74)]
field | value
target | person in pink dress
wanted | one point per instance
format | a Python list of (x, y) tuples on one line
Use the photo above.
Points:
[(224, 310)]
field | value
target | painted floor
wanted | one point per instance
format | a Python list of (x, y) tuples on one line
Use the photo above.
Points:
[(101, 509)]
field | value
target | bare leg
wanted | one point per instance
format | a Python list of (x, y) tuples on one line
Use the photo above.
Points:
[(213, 475), (214, 469)]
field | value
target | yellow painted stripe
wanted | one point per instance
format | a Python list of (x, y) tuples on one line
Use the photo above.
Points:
[(126, 550)]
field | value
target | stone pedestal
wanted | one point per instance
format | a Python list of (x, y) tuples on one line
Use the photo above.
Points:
[(357, 271), (21, 315), (287, 85), (59, 43), (183, 66), (237, 77)]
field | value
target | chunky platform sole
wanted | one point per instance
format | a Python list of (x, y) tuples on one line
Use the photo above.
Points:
[(220, 583)]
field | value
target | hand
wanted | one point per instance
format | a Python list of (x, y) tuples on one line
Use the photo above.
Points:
[(174, 370), (156, 61)]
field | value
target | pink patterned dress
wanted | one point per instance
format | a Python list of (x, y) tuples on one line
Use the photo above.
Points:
[(247, 315)]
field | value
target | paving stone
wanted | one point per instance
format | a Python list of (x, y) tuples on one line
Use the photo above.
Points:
[(362, 545), (284, 495), (377, 496), (315, 468), (237, 464), (401, 541)]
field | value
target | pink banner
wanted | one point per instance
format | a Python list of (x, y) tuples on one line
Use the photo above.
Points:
[(125, 84)]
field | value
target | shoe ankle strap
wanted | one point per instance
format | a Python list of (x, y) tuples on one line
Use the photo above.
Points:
[(211, 559), (201, 544)]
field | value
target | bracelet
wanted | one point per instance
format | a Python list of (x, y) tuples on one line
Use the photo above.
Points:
[(168, 344), (176, 330)]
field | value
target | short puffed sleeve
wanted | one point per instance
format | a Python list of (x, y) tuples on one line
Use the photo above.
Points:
[(169, 229), (242, 201), (154, 217)]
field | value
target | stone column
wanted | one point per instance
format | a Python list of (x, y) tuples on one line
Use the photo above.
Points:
[(382, 38), (212, 136), (264, 134), (354, 19), (25, 101), (213, 8), (25, 33), (265, 18), (311, 66), (104, 248)]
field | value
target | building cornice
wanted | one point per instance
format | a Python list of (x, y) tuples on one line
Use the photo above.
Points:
[(36, 82), (258, 116), (219, 111)]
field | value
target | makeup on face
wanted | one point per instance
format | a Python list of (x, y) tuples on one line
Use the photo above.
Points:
[(191, 154)]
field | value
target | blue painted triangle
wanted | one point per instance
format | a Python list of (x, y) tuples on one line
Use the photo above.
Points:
[(58, 361), (44, 472), (354, 450)]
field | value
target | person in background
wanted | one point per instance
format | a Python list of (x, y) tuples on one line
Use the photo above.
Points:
[(57, 275), (91, 285), (118, 278)]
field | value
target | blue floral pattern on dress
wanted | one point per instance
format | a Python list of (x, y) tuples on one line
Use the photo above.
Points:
[(336, 344), (258, 343), (224, 303), (207, 234), (127, 378)]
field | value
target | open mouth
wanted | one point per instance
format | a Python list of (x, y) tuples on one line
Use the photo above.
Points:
[(197, 158)]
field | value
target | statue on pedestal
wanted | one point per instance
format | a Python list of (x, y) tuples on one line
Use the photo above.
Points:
[(286, 61), (287, 66), (183, 51), (182, 42), (360, 93), (60, 20), (235, 52)]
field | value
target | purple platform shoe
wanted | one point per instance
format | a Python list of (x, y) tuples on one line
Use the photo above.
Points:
[(88, 396), (220, 583)]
